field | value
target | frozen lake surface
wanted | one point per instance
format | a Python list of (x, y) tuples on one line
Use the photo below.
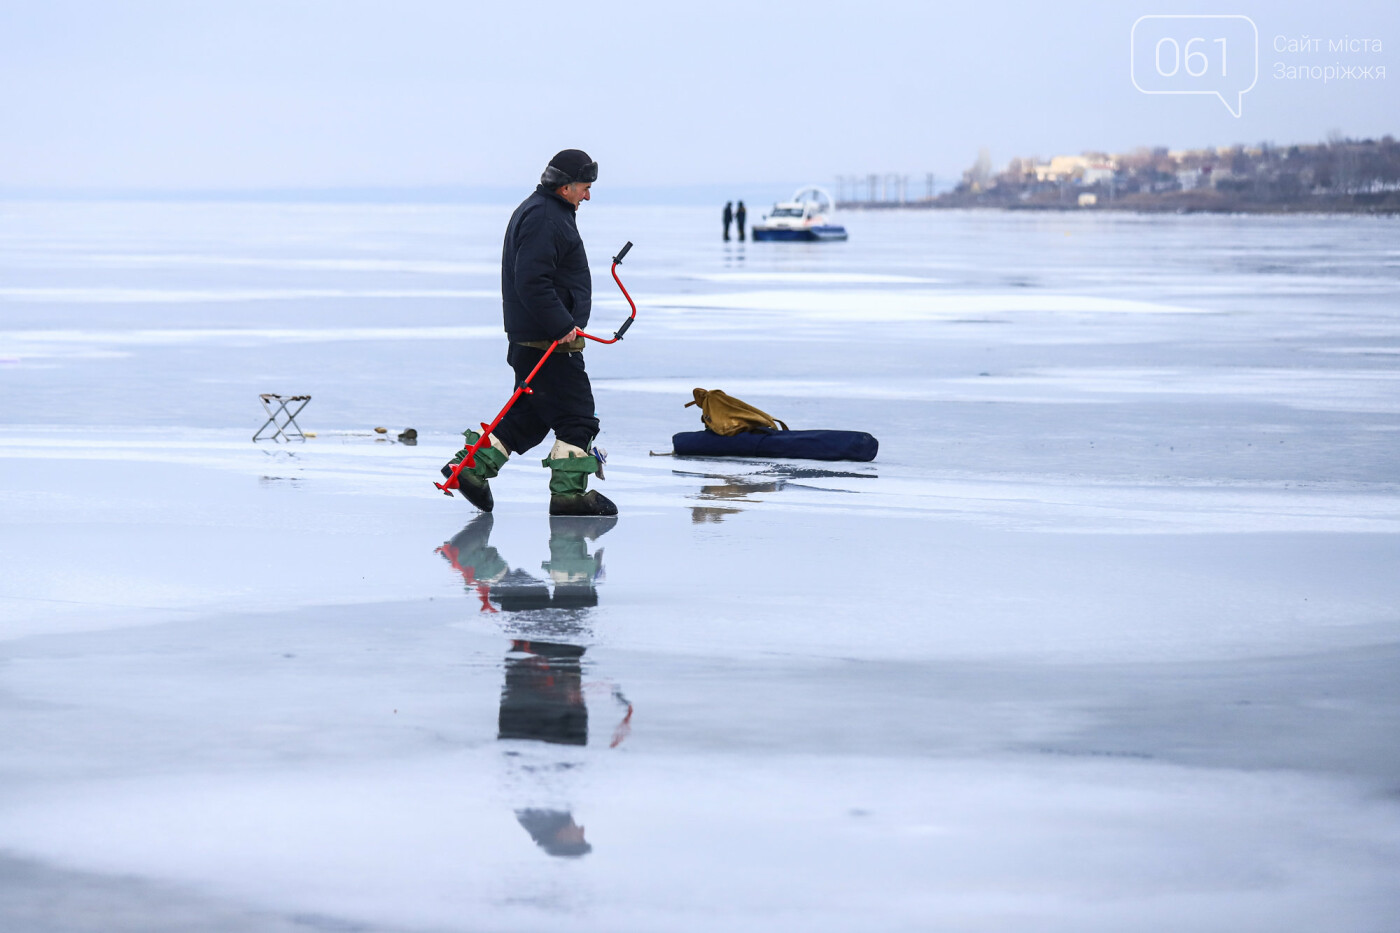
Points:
[(1106, 639)]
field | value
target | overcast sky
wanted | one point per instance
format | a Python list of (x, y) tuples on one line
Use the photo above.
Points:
[(247, 93)]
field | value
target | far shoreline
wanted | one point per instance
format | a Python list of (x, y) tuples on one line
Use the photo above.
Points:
[(1174, 209)]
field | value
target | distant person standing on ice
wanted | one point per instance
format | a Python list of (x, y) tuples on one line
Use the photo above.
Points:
[(740, 215), (547, 294), (728, 218)]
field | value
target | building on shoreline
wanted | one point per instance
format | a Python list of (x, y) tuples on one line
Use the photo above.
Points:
[(1341, 175)]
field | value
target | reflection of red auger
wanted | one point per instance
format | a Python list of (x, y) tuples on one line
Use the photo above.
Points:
[(483, 590), (524, 388), (623, 730)]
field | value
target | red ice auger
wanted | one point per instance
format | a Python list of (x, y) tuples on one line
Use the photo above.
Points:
[(524, 388)]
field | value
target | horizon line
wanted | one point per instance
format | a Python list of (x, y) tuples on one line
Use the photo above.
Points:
[(385, 193)]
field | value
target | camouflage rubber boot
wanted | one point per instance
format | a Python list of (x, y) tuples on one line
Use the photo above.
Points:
[(570, 468), (472, 481)]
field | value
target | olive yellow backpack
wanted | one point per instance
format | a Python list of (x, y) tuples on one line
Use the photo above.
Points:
[(727, 415)]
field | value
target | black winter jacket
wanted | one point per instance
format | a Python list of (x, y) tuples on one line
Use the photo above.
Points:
[(546, 288)]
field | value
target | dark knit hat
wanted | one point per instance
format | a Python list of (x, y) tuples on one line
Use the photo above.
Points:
[(569, 165)]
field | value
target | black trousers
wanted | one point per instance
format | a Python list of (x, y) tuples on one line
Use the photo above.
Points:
[(562, 401)]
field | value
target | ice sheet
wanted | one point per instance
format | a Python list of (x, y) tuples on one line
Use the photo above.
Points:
[(1105, 639)]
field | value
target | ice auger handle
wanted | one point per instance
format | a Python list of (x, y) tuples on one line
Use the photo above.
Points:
[(620, 253), (623, 329)]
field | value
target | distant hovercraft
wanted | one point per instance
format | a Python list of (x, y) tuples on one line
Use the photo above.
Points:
[(802, 218)]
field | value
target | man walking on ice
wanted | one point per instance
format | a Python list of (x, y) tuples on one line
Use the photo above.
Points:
[(547, 294)]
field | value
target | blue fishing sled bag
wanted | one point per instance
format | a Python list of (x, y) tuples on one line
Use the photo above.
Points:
[(734, 428), (773, 443)]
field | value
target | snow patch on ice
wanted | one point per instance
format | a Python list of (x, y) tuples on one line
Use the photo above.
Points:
[(1375, 390), (812, 278), (329, 264), (116, 295), (1360, 351), (909, 305), (84, 342), (1309, 390), (910, 840)]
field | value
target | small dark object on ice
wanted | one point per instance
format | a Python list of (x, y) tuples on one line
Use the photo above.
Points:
[(381, 430), (409, 436)]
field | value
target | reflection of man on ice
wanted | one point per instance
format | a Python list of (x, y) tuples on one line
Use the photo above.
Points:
[(543, 716), (572, 568), (542, 701)]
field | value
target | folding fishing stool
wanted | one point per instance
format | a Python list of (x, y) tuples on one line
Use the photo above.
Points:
[(277, 408)]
